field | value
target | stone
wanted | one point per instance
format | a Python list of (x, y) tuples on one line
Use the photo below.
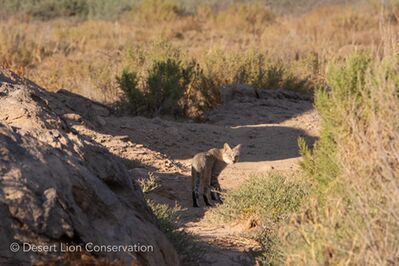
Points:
[(79, 193)]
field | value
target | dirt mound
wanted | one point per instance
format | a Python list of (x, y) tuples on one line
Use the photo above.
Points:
[(58, 186)]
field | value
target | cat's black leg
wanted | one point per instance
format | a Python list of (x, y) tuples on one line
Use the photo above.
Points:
[(195, 199)]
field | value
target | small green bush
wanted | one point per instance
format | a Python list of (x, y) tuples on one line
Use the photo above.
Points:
[(158, 82), (202, 92), (268, 198), (165, 87), (128, 82), (170, 88)]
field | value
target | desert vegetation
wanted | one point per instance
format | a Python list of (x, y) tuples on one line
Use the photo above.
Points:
[(354, 167), (169, 58), (342, 207), (218, 42)]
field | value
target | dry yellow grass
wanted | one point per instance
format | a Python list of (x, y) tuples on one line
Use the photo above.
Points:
[(85, 56)]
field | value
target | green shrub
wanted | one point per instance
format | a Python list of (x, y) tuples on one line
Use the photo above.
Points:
[(202, 92), (128, 82), (334, 106), (158, 82), (266, 201), (268, 198), (165, 87)]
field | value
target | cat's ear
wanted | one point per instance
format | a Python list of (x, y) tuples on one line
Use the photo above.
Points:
[(237, 148), (226, 147)]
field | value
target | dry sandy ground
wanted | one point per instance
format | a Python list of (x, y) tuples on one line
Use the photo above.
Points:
[(268, 129)]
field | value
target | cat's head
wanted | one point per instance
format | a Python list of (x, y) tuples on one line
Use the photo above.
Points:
[(231, 155)]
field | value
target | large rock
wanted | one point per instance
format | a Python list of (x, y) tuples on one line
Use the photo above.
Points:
[(59, 187)]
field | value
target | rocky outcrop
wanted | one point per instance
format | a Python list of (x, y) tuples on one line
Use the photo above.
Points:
[(58, 187)]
